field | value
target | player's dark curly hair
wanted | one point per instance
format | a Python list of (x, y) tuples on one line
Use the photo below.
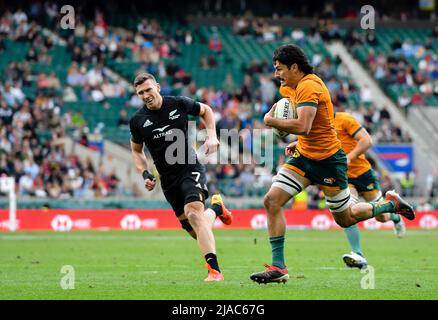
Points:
[(143, 77), (289, 54)]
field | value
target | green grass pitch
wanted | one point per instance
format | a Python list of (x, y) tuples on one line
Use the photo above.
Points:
[(167, 265)]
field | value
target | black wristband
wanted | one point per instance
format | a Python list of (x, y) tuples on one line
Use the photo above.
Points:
[(147, 175)]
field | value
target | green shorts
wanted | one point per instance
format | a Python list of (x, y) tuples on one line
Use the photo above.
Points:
[(366, 182), (330, 172)]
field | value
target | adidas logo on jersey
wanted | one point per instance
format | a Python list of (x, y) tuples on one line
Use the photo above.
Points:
[(147, 123)]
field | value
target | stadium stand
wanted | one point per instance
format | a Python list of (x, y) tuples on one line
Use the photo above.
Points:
[(404, 61), (225, 66), (32, 127)]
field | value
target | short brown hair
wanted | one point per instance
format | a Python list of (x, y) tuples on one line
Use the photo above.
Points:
[(143, 77)]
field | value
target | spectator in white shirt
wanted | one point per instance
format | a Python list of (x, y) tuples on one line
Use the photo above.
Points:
[(366, 94), (25, 184)]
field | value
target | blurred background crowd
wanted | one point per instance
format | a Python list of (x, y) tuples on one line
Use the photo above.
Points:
[(77, 83)]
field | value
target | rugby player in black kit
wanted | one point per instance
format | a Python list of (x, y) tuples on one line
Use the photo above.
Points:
[(183, 182)]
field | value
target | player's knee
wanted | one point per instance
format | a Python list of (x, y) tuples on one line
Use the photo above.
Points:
[(267, 200), (194, 218), (271, 202), (344, 220), (354, 210), (193, 213)]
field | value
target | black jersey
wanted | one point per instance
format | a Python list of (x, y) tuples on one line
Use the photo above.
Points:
[(151, 127)]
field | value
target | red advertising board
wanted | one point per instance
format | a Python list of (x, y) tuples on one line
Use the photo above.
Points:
[(140, 219)]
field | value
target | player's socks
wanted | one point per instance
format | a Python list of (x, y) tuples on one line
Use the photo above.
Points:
[(353, 236), (277, 245), (211, 259), (395, 218), (217, 208), (382, 207)]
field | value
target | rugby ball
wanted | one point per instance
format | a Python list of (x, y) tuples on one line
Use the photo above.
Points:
[(283, 110)]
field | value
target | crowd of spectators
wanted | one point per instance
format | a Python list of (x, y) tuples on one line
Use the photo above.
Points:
[(40, 165), (379, 124), (236, 106), (32, 129), (384, 11), (411, 63)]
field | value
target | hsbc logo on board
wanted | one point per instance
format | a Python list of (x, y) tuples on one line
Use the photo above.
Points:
[(259, 221), (321, 222), (133, 222), (6, 225), (428, 221), (130, 222), (61, 222)]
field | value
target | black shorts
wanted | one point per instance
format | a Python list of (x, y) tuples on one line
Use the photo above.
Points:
[(189, 186)]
